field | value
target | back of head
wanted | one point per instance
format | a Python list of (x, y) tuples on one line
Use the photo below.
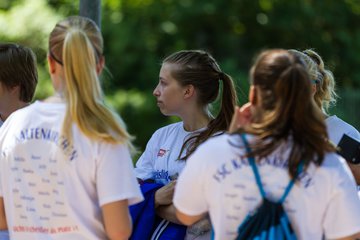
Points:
[(200, 69), (73, 25), (325, 95), (76, 43), (285, 109), (18, 68)]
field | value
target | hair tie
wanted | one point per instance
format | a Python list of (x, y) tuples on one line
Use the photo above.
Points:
[(221, 75)]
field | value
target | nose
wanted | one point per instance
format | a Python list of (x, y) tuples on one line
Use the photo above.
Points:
[(156, 91)]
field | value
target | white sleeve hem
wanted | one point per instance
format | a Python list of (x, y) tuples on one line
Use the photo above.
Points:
[(186, 210)]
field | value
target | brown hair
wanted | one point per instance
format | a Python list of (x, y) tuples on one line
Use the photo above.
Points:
[(77, 44), (200, 69), (287, 110), (18, 68)]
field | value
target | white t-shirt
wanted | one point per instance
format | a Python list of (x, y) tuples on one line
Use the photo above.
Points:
[(53, 189), (323, 202), (160, 161), (337, 128)]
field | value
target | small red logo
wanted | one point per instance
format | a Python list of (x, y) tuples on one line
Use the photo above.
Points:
[(161, 152)]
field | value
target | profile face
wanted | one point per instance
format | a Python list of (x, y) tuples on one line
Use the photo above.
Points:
[(169, 93)]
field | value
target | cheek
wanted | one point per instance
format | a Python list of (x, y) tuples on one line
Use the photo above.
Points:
[(313, 89)]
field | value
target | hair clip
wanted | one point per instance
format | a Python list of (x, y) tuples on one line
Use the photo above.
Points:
[(315, 81)]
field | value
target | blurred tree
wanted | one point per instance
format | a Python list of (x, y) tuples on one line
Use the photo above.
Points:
[(138, 34)]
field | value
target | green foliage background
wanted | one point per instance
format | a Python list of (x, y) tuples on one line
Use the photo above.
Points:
[(140, 33)]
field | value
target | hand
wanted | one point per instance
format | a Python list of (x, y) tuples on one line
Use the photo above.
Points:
[(241, 118), (164, 195)]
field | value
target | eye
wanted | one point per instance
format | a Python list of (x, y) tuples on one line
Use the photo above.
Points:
[(162, 82)]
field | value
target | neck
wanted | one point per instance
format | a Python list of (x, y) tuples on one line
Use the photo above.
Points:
[(12, 108), (56, 98), (195, 121)]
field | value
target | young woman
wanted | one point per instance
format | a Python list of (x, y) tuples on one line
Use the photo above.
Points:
[(66, 171), (189, 81), (285, 131), (323, 88)]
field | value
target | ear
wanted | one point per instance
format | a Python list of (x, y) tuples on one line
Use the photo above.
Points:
[(15, 90), (52, 64), (253, 95), (100, 65), (189, 91), (313, 89)]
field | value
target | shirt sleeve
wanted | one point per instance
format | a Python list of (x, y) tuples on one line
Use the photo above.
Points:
[(145, 165), (342, 217), (190, 197), (115, 177)]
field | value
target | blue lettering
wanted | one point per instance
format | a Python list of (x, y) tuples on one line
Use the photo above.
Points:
[(216, 178), (236, 163), (48, 135), (64, 144), (45, 134), (223, 172), (73, 155)]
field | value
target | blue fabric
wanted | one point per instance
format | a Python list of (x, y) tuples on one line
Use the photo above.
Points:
[(145, 220), (143, 214), (4, 235)]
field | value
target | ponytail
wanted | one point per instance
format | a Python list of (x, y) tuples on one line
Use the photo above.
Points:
[(222, 121), (77, 45), (287, 110)]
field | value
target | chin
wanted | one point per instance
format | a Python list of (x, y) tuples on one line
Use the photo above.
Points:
[(165, 113)]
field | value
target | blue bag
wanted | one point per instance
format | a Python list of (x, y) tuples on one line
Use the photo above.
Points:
[(269, 222)]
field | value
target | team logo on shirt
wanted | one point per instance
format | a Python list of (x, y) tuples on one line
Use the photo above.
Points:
[(161, 152)]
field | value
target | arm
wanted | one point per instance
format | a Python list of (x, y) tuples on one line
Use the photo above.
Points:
[(187, 219), (167, 212), (117, 188), (117, 220), (3, 223), (352, 237), (163, 202)]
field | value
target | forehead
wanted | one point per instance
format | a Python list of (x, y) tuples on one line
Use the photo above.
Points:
[(166, 70)]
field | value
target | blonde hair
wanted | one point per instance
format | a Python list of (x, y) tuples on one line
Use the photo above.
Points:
[(325, 95), (77, 44)]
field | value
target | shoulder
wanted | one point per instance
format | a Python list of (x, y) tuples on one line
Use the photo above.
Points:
[(169, 129), (336, 167), (337, 127), (220, 145), (335, 122)]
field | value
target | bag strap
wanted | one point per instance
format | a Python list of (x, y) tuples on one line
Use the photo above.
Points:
[(253, 166), (257, 175)]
